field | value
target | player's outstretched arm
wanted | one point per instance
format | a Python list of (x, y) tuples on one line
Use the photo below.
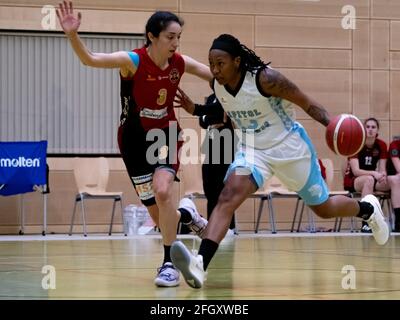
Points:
[(196, 68), (276, 84), (70, 24)]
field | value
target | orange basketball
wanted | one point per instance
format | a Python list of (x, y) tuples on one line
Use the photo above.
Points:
[(345, 135)]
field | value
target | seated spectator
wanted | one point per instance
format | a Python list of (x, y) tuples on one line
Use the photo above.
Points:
[(393, 170), (366, 171)]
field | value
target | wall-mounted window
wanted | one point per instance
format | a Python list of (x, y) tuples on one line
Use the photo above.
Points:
[(46, 93)]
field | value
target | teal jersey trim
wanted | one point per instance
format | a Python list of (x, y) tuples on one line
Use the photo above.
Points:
[(134, 57)]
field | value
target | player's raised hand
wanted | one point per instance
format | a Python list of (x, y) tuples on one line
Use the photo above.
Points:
[(182, 100), (65, 13)]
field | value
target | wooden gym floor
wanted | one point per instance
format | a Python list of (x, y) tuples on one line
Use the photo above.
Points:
[(263, 266)]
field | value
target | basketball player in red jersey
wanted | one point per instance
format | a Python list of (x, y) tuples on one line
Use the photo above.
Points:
[(149, 80), (366, 171)]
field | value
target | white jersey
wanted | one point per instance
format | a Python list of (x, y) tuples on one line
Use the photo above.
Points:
[(264, 121)]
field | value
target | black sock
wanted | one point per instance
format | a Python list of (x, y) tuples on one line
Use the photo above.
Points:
[(396, 218), (366, 210), (167, 256), (207, 249), (186, 217), (232, 225)]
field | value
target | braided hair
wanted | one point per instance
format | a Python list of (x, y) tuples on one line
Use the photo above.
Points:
[(249, 61)]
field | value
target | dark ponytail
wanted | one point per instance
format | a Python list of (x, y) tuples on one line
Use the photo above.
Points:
[(158, 22)]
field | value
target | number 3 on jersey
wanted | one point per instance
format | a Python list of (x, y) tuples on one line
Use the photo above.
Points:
[(162, 97)]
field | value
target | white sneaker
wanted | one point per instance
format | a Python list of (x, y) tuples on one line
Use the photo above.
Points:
[(230, 233), (198, 223), (376, 221), (167, 276), (191, 266)]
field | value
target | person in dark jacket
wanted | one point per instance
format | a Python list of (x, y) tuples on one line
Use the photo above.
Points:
[(219, 148)]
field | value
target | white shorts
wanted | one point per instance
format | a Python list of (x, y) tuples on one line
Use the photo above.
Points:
[(293, 161)]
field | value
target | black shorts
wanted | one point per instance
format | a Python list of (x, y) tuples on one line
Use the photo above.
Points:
[(142, 157)]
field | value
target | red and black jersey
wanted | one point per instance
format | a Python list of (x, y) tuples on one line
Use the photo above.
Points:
[(394, 152), (368, 157), (147, 103), (153, 90)]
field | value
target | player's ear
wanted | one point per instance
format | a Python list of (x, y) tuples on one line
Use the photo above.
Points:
[(237, 61), (150, 36)]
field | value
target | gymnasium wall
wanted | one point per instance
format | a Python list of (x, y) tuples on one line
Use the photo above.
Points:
[(354, 70)]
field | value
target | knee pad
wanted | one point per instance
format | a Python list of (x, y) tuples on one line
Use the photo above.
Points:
[(144, 188)]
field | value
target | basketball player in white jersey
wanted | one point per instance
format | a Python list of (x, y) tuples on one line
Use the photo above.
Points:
[(261, 101)]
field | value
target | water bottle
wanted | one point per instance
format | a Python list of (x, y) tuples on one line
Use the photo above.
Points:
[(141, 214), (130, 220)]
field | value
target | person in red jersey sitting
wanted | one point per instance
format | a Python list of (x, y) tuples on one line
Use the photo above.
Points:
[(366, 171), (393, 170)]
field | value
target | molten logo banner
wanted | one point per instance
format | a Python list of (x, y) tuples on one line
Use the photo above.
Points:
[(22, 166)]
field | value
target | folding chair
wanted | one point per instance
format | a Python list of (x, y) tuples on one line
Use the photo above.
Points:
[(328, 164), (383, 196), (272, 189), (91, 177)]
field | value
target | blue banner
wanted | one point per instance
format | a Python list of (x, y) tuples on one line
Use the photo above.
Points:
[(22, 166)]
